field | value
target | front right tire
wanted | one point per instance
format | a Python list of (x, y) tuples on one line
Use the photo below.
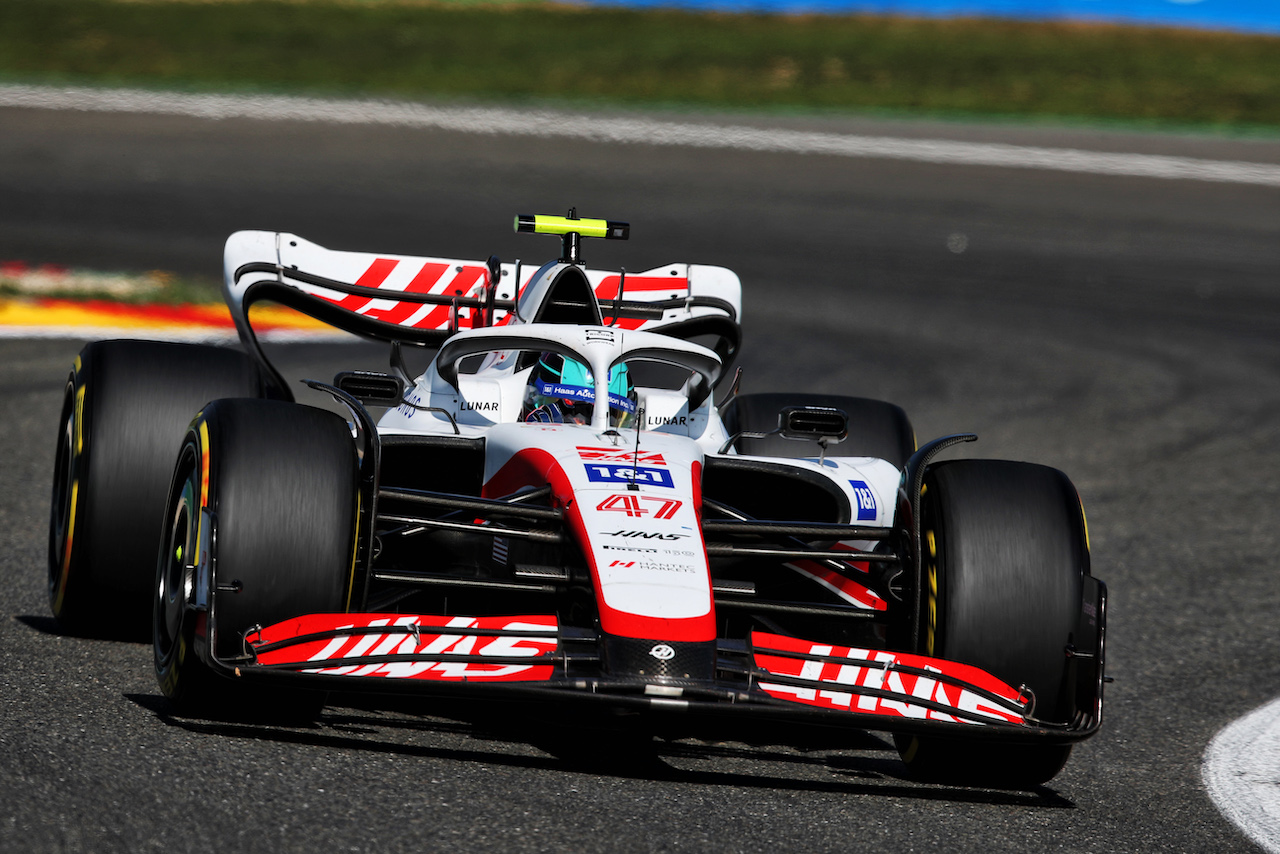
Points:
[(1005, 556)]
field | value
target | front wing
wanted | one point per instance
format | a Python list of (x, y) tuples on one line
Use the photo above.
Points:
[(532, 656)]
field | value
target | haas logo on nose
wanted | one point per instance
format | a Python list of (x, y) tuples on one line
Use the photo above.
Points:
[(662, 652)]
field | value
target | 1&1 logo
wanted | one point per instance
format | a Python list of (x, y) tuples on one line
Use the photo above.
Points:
[(866, 500), (600, 473)]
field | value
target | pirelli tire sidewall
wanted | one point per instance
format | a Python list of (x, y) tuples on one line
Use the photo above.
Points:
[(126, 406)]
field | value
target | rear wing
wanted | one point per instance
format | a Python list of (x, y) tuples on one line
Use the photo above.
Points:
[(424, 300)]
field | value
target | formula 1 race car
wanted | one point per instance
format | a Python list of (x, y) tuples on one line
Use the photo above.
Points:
[(562, 508)]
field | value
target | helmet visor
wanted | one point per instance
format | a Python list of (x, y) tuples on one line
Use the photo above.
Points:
[(574, 392)]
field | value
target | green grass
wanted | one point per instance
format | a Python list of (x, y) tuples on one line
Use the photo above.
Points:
[(526, 51)]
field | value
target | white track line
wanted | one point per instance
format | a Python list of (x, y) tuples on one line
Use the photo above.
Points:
[(553, 124), (1242, 772)]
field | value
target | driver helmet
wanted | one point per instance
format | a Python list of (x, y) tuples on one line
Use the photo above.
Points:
[(562, 391)]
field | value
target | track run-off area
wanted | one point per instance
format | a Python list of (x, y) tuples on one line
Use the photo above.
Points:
[(1101, 301)]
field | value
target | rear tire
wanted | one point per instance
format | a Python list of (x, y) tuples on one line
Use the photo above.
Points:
[(282, 503), (126, 406), (876, 428), (1005, 556)]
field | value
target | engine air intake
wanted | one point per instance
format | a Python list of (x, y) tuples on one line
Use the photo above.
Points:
[(371, 387), (814, 422)]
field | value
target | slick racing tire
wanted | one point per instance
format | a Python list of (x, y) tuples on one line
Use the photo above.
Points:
[(126, 406), (1005, 555), (260, 526), (876, 428)]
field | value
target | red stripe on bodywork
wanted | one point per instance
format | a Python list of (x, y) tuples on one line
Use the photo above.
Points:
[(608, 287), (845, 588), (438, 317), (535, 467), (607, 291), (372, 277), (429, 275)]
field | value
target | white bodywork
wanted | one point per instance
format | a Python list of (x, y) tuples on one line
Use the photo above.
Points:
[(553, 475)]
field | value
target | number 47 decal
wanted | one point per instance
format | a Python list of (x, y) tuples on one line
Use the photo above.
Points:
[(630, 504)]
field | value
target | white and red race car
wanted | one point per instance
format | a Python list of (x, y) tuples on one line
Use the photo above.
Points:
[(563, 508)]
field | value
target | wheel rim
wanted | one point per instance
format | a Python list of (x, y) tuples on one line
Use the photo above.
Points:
[(60, 506), (175, 575)]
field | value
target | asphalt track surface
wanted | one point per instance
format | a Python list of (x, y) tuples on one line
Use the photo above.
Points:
[(1126, 330)]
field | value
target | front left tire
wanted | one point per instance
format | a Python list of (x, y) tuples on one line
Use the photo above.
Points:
[(260, 526)]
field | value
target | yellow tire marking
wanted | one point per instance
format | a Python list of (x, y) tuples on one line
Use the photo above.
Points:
[(1085, 519), (77, 450), (931, 637), (66, 549), (79, 428), (355, 550)]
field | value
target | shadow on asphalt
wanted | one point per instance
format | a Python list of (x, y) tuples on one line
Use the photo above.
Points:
[(603, 748), (44, 625), (50, 626)]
